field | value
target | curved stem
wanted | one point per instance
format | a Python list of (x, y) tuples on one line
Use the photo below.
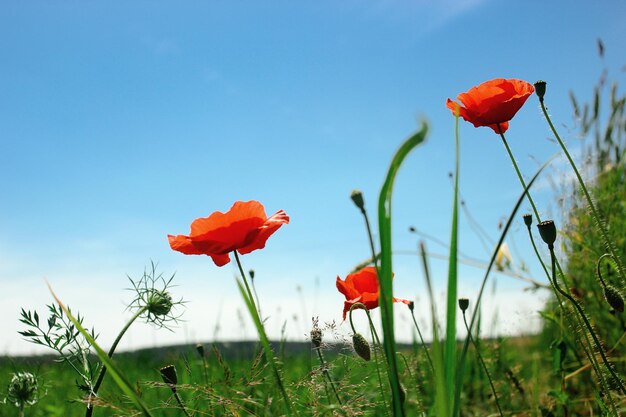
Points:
[(103, 370)]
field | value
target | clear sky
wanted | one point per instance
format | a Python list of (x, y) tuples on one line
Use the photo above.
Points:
[(121, 122)]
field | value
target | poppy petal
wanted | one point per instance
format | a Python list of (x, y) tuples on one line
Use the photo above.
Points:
[(268, 228)]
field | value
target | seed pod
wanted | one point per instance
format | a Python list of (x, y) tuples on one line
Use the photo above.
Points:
[(357, 198), (200, 349), (528, 219), (547, 230), (361, 347), (168, 373), (540, 89), (463, 304)]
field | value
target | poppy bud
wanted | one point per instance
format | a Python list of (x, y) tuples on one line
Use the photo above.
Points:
[(463, 304), (547, 230), (411, 306), (357, 198), (361, 347), (528, 219), (251, 272), (540, 89), (614, 298), (168, 373)]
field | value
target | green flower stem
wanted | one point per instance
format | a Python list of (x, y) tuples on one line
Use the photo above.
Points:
[(582, 314), (430, 361), (482, 362), (594, 211), (245, 282), (519, 174), (258, 322), (103, 370)]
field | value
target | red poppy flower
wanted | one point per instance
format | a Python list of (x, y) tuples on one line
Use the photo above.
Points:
[(244, 228), (493, 102), (361, 287)]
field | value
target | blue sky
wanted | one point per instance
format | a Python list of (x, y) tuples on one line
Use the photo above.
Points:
[(121, 122)]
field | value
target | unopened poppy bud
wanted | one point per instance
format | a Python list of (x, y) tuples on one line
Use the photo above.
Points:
[(411, 306), (357, 198), (251, 272), (463, 304), (528, 219), (547, 230), (540, 89), (316, 337), (361, 347), (168, 373), (614, 298), (200, 349), (159, 302)]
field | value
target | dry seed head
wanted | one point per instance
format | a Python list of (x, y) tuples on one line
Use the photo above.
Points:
[(614, 298), (547, 230), (316, 337), (168, 373), (540, 89), (463, 304), (357, 198), (361, 347), (528, 219)]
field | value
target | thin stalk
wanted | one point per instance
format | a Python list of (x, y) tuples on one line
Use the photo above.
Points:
[(594, 211), (103, 370), (430, 361), (326, 373), (180, 403), (482, 362), (254, 312)]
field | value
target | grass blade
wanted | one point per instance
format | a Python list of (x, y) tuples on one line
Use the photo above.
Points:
[(385, 271)]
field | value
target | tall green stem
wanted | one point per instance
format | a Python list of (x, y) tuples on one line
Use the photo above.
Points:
[(269, 354)]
